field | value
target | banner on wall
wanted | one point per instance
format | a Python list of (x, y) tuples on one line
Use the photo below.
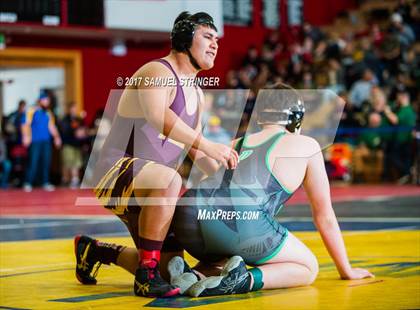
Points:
[(295, 12), (152, 15)]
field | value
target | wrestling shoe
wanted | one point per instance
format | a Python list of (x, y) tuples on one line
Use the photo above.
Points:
[(234, 279), (181, 274), (149, 283), (86, 260)]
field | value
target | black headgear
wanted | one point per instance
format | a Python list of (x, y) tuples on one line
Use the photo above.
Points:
[(280, 105), (295, 116), (183, 32)]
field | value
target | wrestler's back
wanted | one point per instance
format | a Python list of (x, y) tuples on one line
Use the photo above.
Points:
[(289, 157)]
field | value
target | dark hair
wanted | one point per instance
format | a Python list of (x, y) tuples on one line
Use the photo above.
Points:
[(280, 104), (184, 27)]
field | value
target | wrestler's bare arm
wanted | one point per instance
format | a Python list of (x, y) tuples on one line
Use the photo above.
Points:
[(318, 190), (155, 103), (206, 164)]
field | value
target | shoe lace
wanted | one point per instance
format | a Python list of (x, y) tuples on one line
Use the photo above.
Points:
[(96, 266), (152, 273), (154, 276)]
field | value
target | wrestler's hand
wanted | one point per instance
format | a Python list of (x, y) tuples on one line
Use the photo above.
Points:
[(233, 160), (222, 153), (356, 274)]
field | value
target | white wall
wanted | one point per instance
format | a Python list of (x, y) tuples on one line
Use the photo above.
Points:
[(152, 15), (27, 84)]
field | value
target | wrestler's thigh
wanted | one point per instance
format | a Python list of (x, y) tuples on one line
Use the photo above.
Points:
[(156, 176), (295, 251)]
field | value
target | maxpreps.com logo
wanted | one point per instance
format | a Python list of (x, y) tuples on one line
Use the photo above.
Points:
[(245, 154)]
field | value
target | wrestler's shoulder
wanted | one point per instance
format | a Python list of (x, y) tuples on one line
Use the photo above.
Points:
[(308, 140), (153, 69), (304, 143)]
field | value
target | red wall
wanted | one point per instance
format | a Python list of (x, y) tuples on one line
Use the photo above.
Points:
[(101, 69), (323, 12)]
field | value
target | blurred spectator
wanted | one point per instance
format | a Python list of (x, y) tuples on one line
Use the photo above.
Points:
[(399, 155), (319, 54), (98, 132), (215, 132), (14, 121), (229, 105), (272, 41), (368, 155), (350, 66), (360, 91), (411, 66), (307, 50), (312, 32), (415, 16), (404, 10), (402, 82), (246, 75), (416, 167), (401, 30), (37, 128), (267, 55), (335, 76), (18, 152), (307, 81), (376, 35), (5, 164), (348, 122), (391, 57), (74, 134), (262, 77), (208, 106), (371, 139), (370, 58), (232, 81), (378, 100), (100, 128), (371, 66), (335, 46), (252, 58)]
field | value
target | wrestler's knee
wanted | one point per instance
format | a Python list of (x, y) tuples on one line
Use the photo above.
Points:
[(313, 266), (170, 193), (174, 180), (166, 178)]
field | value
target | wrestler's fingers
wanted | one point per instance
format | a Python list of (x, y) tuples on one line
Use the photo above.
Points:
[(232, 163), (235, 154), (224, 162), (234, 159)]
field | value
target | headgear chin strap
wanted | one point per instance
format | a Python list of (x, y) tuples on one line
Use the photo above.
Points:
[(295, 118), (193, 61), (291, 117)]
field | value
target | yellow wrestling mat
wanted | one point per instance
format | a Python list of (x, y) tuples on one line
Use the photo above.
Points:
[(40, 275)]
